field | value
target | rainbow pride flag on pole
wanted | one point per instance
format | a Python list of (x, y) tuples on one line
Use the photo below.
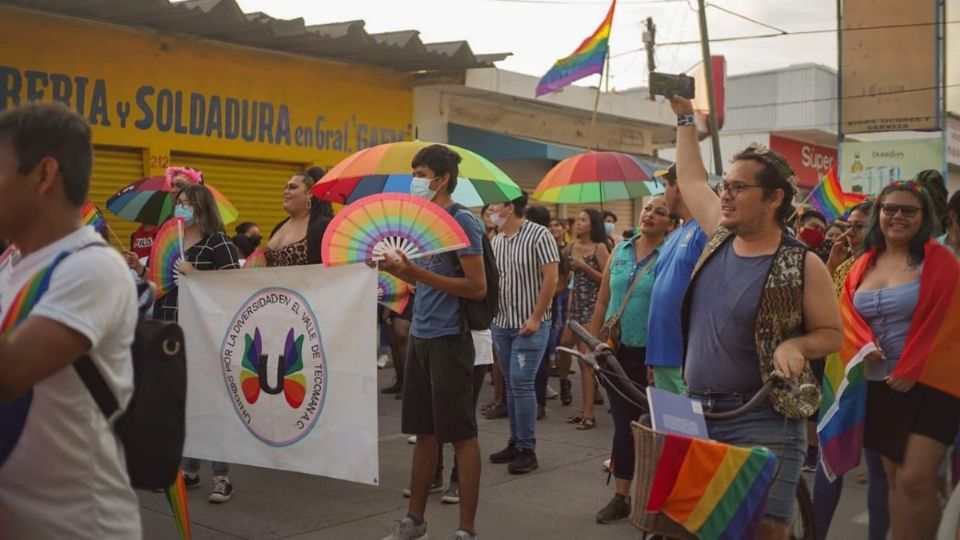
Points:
[(829, 198), (931, 355), (587, 60), (713, 490), (92, 216)]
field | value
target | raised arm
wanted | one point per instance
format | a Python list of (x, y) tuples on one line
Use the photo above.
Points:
[(700, 199)]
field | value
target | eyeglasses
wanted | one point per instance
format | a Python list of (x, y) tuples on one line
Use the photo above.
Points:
[(907, 210), (735, 188)]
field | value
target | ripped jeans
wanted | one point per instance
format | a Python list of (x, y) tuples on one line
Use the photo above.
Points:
[(519, 358)]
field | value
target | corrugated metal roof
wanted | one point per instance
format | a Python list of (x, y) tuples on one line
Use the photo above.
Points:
[(223, 20)]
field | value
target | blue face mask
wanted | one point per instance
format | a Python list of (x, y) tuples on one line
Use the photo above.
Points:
[(609, 228), (185, 212), (420, 187)]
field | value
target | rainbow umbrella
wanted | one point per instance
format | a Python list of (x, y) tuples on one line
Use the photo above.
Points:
[(150, 201), (386, 169), (596, 177), (177, 497)]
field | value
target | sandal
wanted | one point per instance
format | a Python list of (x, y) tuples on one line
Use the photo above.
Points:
[(575, 419), (587, 423), (488, 406)]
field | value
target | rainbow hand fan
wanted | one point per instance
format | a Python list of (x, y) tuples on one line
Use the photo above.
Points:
[(393, 293), (166, 252), (257, 259), (381, 224)]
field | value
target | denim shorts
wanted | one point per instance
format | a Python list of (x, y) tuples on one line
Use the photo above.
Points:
[(763, 426)]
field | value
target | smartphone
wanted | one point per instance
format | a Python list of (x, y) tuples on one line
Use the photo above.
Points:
[(665, 84)]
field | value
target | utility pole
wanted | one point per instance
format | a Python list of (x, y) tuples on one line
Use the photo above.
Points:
[(649, 43), (708, 71)]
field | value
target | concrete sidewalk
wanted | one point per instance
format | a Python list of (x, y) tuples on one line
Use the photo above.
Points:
[(559, 500)]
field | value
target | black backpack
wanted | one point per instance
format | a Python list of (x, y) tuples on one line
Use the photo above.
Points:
[(479, 314), (152, 429)]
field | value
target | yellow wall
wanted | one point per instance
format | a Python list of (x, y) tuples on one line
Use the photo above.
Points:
[(160, 92)]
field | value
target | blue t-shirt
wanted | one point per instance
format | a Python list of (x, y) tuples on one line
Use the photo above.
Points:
[(678, 256), (623, 266), (436, 313)]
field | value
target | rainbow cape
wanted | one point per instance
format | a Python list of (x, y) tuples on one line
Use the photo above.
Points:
[(931, 355), (92, 216), (712, 489), (829, 198), (586, 60)]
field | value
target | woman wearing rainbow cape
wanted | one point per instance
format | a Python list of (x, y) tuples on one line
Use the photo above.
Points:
[(894, 386)]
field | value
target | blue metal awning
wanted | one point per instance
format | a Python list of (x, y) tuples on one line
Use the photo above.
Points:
[(497, 146)]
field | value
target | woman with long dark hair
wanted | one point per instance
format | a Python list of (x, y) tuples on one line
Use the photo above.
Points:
[(205, 247), (587, 255), (901, 290), (296, 240), (247, 239)]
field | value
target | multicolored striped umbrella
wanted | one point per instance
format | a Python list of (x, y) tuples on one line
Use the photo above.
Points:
[(596, 177), (150, 201), (386, 169)]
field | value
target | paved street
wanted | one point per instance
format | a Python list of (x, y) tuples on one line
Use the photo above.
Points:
[(557, 501)]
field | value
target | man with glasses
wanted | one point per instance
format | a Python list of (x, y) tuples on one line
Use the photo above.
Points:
[(759, 305)]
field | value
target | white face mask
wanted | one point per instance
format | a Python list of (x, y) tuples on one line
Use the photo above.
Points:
[(498, 219), (420, 187), (609, 228)]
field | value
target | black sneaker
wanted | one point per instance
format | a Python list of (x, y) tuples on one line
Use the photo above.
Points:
[(506, 455), (566, 395), (191, 480), (500, 411), (395, 388), (436, 486), (526, 461), (541, 412), (222, 490), (618, 508)]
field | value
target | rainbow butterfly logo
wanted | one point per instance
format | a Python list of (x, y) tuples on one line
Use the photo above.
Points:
[(289, 381)]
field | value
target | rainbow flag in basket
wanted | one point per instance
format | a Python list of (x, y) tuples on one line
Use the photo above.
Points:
[(585, 61), (712, 489), (829, 198), (931, 355)]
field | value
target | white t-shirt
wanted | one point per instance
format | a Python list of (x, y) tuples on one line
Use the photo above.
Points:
[(66, 477)]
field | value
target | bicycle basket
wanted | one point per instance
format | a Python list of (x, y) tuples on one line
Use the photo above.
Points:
[(649, 445)]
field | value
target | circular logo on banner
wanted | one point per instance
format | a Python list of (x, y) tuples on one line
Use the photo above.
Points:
[(274, 367)]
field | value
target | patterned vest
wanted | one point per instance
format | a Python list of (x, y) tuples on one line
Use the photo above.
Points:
[(779, 318)]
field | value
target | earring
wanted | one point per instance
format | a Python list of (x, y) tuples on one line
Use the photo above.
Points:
[(309, 203)]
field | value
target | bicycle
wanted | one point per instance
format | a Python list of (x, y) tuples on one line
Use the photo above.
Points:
[(607, 369)]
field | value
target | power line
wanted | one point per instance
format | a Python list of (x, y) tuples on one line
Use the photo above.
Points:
[(585, 2), (744, 17), (820, 100), (794, 33)]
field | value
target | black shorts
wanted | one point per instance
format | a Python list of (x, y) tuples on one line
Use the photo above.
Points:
[(892, 416), (438, 388)]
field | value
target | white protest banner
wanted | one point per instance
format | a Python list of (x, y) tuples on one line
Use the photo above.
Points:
[(281, 369)]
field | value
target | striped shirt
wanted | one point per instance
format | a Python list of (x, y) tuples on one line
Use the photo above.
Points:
[(520, 259)]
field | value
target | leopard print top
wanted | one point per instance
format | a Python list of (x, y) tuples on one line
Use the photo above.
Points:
[(294, 254)]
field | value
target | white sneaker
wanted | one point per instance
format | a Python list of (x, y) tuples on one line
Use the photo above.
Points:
[(407, 530), (551, 393), (606, 465), (382, 361), (412, 439)]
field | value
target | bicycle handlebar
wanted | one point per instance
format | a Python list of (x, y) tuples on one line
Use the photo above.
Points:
[(585, 336), (610, 364)]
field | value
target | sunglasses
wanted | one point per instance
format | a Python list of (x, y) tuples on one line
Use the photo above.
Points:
[(907, 210)]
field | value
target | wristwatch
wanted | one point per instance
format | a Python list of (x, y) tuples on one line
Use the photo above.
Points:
[(684, 120)]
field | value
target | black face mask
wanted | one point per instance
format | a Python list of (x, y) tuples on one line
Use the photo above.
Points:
[(255, 240)]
